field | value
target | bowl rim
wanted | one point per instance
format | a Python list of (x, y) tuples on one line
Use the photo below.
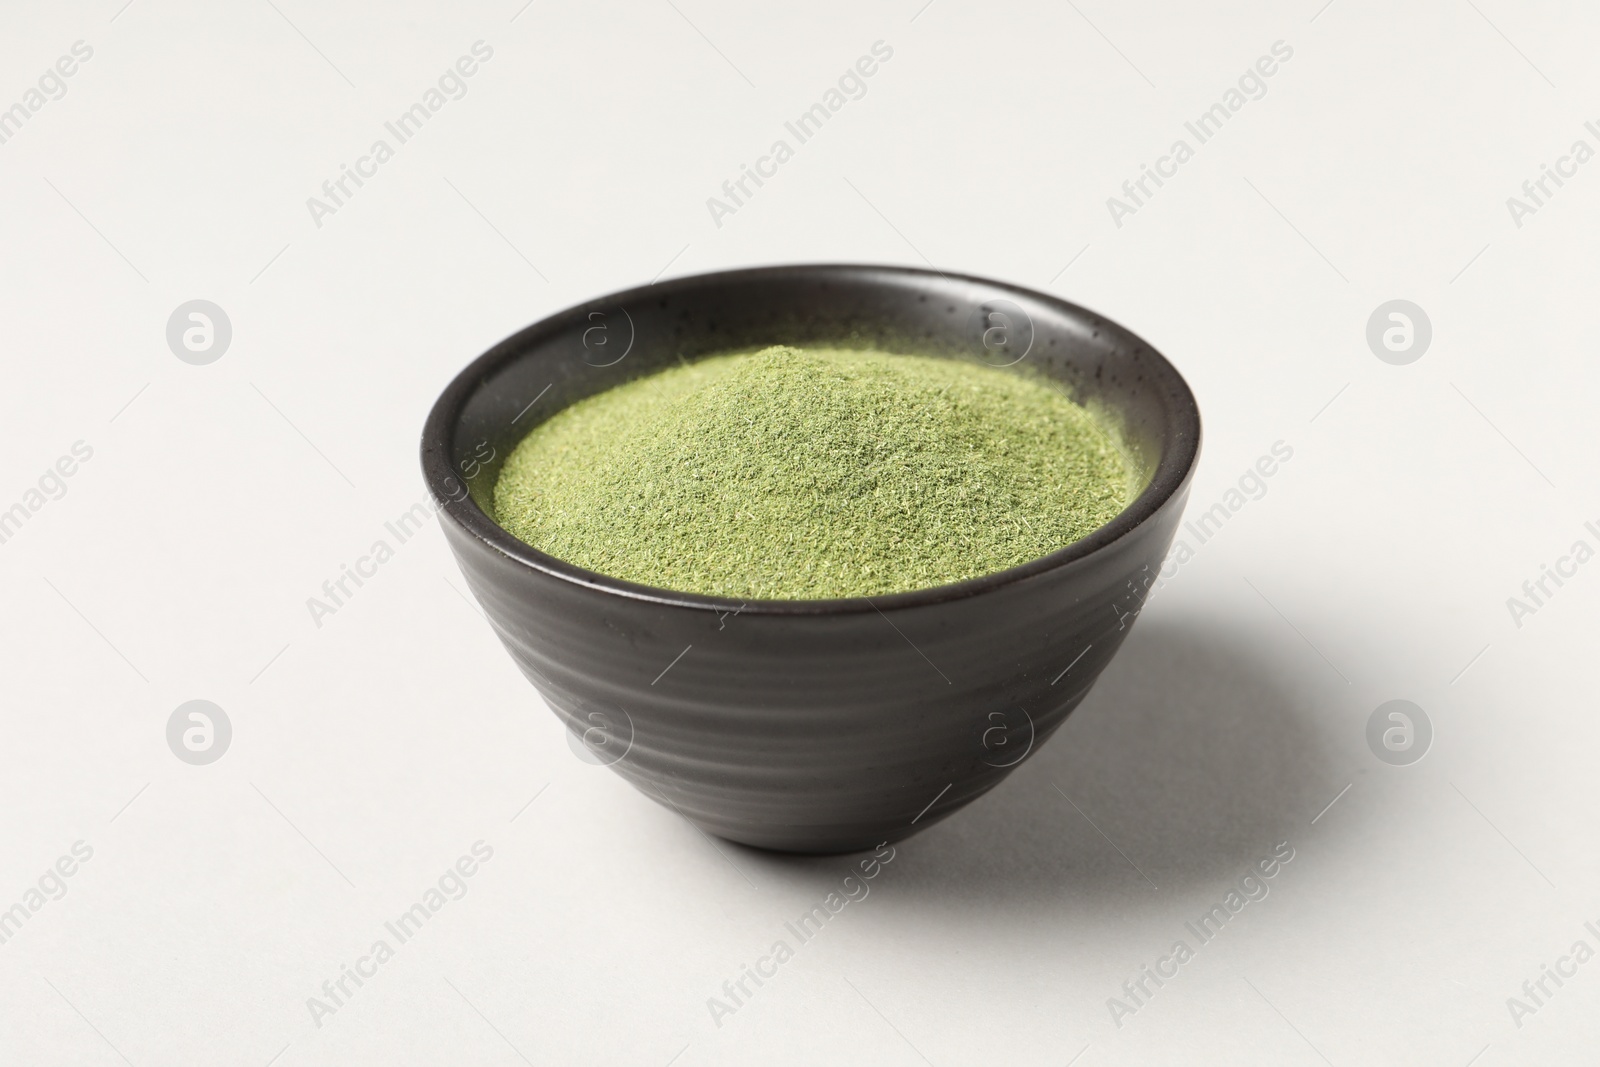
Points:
[(1179, 453)]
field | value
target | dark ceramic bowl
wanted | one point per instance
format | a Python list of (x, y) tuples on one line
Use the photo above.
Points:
[(825, 725)]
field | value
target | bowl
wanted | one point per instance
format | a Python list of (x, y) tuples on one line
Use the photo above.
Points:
[(812, 726)]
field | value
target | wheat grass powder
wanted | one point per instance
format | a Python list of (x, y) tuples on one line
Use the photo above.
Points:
[(797, 474)]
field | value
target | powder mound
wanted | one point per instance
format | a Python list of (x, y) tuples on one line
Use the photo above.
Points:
[(797, 474)]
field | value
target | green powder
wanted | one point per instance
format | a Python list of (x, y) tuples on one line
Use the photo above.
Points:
[(793, 474)]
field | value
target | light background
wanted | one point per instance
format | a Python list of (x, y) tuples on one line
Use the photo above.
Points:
[(372, 751)]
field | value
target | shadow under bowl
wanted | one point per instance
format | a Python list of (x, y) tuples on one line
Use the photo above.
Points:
[(815, 726)]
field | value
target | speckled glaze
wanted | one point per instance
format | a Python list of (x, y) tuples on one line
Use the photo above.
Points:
[(828, 725)]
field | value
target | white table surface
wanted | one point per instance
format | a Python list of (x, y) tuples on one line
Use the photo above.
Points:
[(370, 752)]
